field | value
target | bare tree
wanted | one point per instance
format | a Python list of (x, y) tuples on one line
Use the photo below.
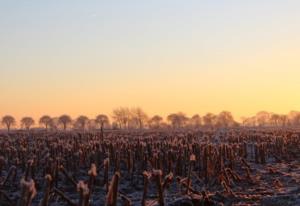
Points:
[(196, 121), (173, 119), (138, 116), (283, 120), (225, 119), (91, 124), (249, 121), (54, 124), (275, 120), (81, 121), (46, 121), (122, 116), (65, 120), (177, 120), (209, 119), (292, 118), (155, 122), (296, 120), (102, 120), (27, 122), (262, 118), (8, 121), (114, 125)]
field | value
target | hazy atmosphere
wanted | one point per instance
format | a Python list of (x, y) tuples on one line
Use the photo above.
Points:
[(87, 57), (149, 103)]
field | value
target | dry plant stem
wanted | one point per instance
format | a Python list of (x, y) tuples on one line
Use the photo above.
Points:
[(245, 163), (157, 175), (129, 162), (256, 154), (2, 163), (227, 188), (45, 200), (192, 159), (64, 197), (184, 184), (28, 192), (146, 182), (179, 165), (262, 154), (92, 173), (112, 195), (56, 172), (6, 197), (28, 169), (228, 180), (167, 181), (11, 173), (69, 178), (117, 162), (205, 164), (233, 174), (84, 194), (106, 168), (197, 177), (170, 162), (126, 200), (206, 201)]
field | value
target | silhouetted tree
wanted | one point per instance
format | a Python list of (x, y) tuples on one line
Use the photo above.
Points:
[(249, 121), (138, 117), (46, 121), (225, 119), (122, 116), (27, 122), (155, 122), (114, 125), (296, 120), (8, 121), (262, 118), (283, 120), (275, 120), (292, 118), (102, 120), (196, 121), (65, 120), (177, 120), (54, 124), (91, 124), (209, 119), (81, 121)]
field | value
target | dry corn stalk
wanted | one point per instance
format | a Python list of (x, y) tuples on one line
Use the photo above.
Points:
[(84, 191), (157, 175), (28, 192), (112, 195), (47, 190), (147, 177)]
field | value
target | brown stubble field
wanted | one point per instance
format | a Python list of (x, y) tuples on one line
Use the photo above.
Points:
[(156, 167)]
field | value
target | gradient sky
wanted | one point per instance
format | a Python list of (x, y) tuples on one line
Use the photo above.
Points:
[(88, 57)]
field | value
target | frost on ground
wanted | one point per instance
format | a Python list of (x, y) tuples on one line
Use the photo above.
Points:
[(224, 167)]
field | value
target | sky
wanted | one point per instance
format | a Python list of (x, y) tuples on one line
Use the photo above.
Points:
[(196, 56)]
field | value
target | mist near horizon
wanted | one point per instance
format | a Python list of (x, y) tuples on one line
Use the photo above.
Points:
[(196, 57)]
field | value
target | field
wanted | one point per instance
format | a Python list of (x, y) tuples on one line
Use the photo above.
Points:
[(163, 167)]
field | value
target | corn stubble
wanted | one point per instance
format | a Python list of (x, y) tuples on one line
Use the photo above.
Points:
[(149, 168)]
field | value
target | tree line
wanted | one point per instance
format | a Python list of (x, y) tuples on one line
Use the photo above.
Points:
[(136, 118)]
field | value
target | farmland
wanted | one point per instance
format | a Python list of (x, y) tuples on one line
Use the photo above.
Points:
[(151, 167)]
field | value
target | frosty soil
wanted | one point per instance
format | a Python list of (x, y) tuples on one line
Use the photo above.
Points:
[(227, 167)]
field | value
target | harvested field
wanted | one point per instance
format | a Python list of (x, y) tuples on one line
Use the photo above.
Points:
[(228, 167)]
